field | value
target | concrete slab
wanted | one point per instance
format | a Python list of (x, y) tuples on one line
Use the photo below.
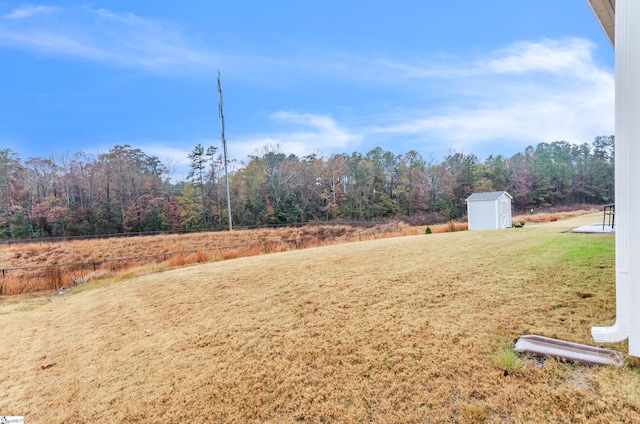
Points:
[(595, 228)]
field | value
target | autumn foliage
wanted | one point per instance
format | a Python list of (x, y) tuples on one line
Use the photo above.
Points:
[(125, 190)]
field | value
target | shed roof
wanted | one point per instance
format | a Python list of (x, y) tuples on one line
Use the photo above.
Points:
[(490, 195)]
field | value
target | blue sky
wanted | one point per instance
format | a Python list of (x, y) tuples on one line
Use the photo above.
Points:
[(483, 77)]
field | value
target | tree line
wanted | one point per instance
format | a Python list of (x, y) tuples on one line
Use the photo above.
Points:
[(128, 191)]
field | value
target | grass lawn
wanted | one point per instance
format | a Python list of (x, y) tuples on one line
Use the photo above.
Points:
[(409, 329)]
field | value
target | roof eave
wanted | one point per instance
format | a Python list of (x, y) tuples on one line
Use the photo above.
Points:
[(604, 11)]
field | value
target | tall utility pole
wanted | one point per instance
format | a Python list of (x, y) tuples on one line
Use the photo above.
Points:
[(224, 148)]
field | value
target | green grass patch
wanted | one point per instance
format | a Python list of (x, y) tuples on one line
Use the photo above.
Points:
[(25, 308), (156, 268), (574, 248), (576, 273), (594, 248), (506, 360)]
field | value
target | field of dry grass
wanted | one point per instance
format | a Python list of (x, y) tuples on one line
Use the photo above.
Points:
[(55, 265), (393, 330), (109, 257), (103, 257)]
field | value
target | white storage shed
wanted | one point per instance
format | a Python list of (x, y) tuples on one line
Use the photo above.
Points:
[(489, 211)]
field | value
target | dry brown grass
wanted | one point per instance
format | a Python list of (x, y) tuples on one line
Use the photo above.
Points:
[(556, 216), (396, 330), (186, 249), (190, 248)]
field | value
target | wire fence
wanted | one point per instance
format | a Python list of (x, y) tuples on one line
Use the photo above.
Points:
[(160, 257), (98, 263), (362, 224)]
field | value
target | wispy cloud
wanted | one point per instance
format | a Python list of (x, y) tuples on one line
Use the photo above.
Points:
[(525, 93), (519, 95), (50, 42), (332, 134), (566, 56), (28, 11), (570, 56), (300, 134), (101, 35)]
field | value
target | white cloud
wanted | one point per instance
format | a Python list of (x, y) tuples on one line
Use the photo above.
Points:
[(126, 18), (301, 134), (51, 42), (568, 56), (323, 129), (526, 93), (28, 11), (117, 39), (513, 98), (167, 153), (520, 95)]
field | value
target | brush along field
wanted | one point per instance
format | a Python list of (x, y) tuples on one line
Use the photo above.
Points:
[(87, 260), (48, 266), (410, 329)]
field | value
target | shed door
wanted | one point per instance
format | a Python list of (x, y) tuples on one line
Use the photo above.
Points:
[(505, 213)]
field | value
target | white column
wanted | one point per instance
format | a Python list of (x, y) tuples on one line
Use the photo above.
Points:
[(627, 179), (628, 129)]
